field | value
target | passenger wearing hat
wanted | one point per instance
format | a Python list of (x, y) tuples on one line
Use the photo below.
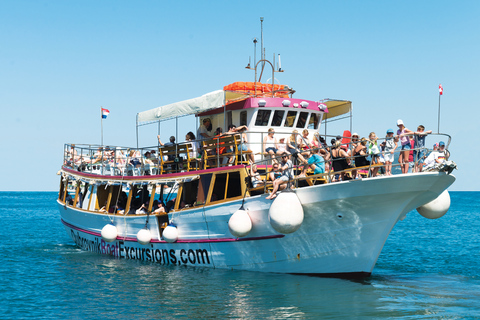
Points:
[(419, 147), (403, 136), (389, 146), (437, 156), (355, 142)]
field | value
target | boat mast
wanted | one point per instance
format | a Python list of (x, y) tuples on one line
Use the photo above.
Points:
[(262, 51)]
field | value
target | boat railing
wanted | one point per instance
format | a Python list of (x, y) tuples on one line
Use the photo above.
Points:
[(376, 158), (124, 161), (375, 162)]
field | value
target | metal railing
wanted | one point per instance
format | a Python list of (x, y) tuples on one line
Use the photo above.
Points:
[(124, 161)]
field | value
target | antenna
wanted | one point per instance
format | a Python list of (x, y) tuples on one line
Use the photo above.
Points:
[(255, 51), (254, 55), (261, 37)]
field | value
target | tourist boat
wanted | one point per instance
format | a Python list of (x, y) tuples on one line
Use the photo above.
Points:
[(215, 217)]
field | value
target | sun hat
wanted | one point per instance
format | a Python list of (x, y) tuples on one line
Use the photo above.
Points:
[(389, 131), (399, 122), (441, 143)]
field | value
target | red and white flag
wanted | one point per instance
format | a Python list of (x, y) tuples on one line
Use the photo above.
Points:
[(440, 89), (105, 113)]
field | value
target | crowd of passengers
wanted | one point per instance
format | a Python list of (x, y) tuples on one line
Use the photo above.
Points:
[(301, 150), (356, 158)]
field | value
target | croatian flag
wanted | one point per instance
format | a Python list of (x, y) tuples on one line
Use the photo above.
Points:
[(440, 89), (105, 113)]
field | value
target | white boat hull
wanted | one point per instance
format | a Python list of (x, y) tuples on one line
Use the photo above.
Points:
[(344, 230)]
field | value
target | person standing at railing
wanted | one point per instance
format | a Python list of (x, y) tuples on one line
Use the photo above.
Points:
[(204, 132), (191, 138), (403, 136), (339, 159), (419, 147), (373, 151), (354, 143), (389, 146)]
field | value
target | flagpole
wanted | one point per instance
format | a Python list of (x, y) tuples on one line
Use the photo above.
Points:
[(438, 128), (101, 123)]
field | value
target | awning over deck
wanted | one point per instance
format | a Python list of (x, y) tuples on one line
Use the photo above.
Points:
[(206, 102), (232, 93), (336, 108)]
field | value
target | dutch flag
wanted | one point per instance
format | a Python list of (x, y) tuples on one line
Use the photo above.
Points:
[(105, 113)]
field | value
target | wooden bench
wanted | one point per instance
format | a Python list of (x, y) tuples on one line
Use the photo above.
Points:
[(177, 158), (211, 151)]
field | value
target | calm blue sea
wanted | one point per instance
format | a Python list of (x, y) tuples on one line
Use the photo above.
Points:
[(429, 269)]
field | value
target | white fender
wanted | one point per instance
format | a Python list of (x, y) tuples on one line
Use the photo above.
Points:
[(240, 223), (437, 207), (144, 236), (286, 213), (170, 233), (109, 233)]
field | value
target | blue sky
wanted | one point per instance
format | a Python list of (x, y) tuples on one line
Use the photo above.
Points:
[(61, 60)]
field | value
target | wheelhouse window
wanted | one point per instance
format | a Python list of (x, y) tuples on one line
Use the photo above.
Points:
[(302, 120), (262, 117), (277, 118), (243, 118), (229, 118), (314, 121), (290, 119)]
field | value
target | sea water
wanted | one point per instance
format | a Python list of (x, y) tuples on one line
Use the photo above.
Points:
[(428, 269)]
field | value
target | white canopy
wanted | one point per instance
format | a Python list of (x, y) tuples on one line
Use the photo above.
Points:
[(206, 102)]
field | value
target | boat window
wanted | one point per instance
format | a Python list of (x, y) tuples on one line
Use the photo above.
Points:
[(84, 195), (189, 194), (314, 121), (203, 187), (227, 185), (102, 196), (290, 119), (262, 117), (302, 119), (234, 188), (243, 118), (68, 192), (219, 188), (277, 118), (229, 118)]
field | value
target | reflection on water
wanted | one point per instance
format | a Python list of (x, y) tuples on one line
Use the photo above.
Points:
[(422, 273)]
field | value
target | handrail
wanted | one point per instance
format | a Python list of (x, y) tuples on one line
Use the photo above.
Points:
[(116, 160)]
